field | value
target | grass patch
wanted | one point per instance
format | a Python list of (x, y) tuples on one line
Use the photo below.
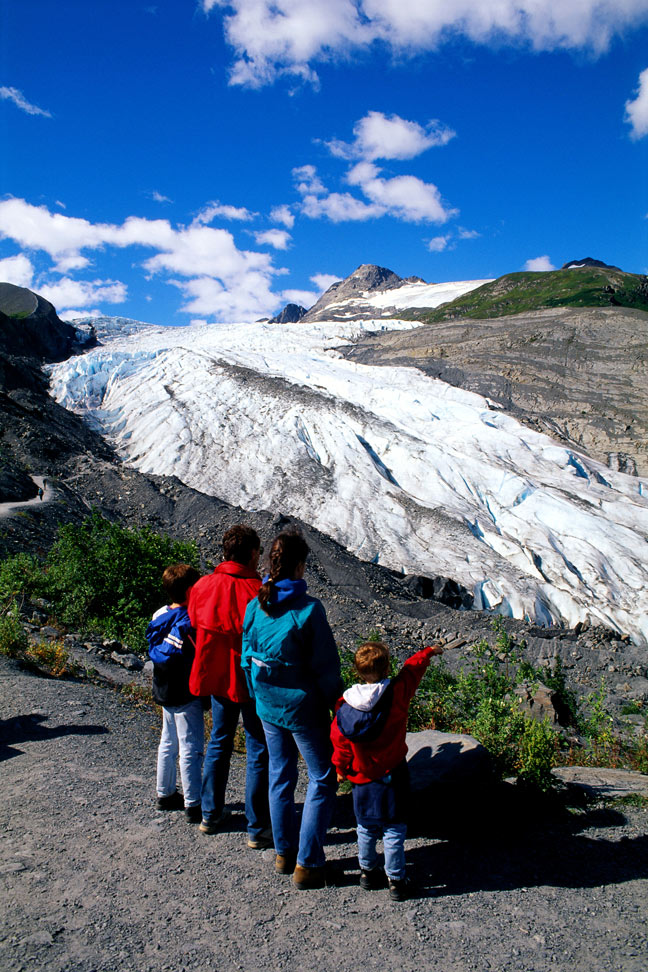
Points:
[(516, 293)]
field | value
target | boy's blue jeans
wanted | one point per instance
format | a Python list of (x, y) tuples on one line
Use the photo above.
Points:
[(315, 747), (393, 836), (225, 717)]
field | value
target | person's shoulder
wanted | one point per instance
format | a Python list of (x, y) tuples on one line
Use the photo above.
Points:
[(160, 612)]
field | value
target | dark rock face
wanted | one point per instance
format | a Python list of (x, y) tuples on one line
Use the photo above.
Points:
[(289, 315), (442, 589), (366, 279), (588, 262), (31, 328)]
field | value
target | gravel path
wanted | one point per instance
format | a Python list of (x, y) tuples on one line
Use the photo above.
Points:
[(94, 878)]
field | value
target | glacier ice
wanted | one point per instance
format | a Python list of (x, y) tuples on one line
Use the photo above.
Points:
[(400, 468)]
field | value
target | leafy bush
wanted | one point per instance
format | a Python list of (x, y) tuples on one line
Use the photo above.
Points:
[(100, 576), (106, 577), (13, 639), (21, 574)]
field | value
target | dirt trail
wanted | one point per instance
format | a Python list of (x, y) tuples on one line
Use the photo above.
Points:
[(94, 879)]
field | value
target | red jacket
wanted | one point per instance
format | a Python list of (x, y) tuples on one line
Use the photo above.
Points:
[(216, 608), (368, 761)]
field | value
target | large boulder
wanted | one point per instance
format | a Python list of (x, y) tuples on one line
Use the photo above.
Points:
[(442, 589), (446, 758), (31, 328)]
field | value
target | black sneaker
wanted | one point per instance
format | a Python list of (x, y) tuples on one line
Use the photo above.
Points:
[(399, 890), (194, 814), (174, 801), (373, 879)]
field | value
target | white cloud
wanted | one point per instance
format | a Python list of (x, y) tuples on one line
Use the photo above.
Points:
[(541, 263), (212, 210), (307, 180), (70, 315), (17, 270), (19, 100), (67, 292), (466, 234), (305, 298), (405, 197), (283, 215), (637, 110), (277, 238), (247, 297), (272, 38), (438, 243), (158, 197), (225, 281), (324, 280), (340, 207), (380, 137)]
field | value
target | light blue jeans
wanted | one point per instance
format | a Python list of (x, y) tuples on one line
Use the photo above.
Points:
[(394, 843), (315, 747), (183, 731)]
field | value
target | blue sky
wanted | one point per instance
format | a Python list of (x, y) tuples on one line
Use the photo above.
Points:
[(212, 160)]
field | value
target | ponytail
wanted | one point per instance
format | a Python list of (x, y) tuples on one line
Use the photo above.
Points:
[(288, 550)]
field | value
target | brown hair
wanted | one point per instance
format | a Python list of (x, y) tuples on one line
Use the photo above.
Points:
[(371, 661), (176, 581), (240, 542), (287, 552)]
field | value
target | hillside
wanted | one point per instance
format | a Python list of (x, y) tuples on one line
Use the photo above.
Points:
[(517, 293)]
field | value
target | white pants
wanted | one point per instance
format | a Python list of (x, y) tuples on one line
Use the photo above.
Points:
[(183, 732)]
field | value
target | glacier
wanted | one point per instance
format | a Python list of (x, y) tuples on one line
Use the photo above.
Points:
[(402, 469)]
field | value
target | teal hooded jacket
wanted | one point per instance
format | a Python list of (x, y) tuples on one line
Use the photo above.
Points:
[(290, 659)]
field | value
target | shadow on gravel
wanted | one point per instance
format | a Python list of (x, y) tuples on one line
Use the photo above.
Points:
[(503, 838), (28, 728)]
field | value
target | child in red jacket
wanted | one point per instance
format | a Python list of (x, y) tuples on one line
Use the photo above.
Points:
[(369, 748)]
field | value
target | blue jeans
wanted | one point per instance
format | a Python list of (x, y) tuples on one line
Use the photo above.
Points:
[(315, 747), (225, 717), (393, 836), (183, 731)]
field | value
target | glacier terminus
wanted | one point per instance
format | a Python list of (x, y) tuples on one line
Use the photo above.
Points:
[(400, 468)]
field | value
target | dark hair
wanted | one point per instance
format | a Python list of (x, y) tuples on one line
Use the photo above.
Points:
[(288, 550), (371, 661), (176, 581), (240, 542)]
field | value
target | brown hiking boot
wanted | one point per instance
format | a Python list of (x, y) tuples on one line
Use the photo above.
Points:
[(285, 863), (309, 878)]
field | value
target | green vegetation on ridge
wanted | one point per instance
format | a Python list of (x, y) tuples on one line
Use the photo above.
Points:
[(517, 293)]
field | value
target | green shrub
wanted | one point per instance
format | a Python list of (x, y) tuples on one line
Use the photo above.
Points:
[(106, 577), (13, 640), (21, 574), (537, 753)]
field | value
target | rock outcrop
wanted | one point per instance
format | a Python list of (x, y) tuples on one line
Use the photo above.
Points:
[(289, 315), (31, 328), (343, 299)]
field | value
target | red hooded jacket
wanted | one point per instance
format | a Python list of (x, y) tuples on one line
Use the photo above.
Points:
[(365, 762), (216, 608)]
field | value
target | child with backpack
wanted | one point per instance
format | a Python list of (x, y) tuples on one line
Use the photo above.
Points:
[(171, 640)]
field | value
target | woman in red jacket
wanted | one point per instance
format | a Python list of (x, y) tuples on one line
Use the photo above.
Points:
[(369, 749)]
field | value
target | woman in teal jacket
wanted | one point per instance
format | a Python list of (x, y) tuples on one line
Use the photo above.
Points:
[(293, 671)]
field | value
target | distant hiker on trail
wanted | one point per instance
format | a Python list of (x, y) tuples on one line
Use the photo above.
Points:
[(369, 749), (41, 493), (171, 649), (293, 669), (216, 607)]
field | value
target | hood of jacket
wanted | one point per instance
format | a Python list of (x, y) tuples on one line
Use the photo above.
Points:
[(364, 710), (286, 589), (234, 569)]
